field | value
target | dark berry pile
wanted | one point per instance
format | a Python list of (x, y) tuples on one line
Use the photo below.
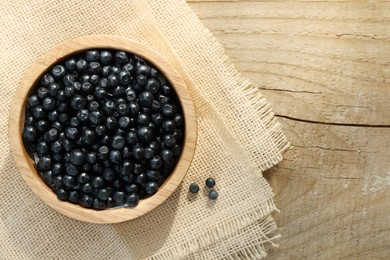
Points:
[(105, 129)]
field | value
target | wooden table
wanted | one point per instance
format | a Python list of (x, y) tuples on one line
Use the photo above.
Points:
[(325, 67)]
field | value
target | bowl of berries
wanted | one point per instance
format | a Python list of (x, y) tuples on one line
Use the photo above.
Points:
[(102, 129)]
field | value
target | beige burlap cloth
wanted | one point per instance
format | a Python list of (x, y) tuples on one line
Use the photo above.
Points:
[(238, 139)]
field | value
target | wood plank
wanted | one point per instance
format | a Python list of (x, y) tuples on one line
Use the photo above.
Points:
[(330, 51), (320, 10), (332, 188), (324, 66)]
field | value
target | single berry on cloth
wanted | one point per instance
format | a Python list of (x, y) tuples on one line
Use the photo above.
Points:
[(213, 195), (194, 188), (210, 182), (105, 129)]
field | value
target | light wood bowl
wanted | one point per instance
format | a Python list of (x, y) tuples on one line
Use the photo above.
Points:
[(25, 164)]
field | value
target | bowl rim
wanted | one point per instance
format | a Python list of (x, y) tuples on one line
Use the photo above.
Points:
[(25, 164)]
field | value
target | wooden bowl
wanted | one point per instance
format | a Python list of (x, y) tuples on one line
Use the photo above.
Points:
[(25, 164)]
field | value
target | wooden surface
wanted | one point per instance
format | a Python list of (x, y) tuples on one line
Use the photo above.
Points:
[(325, 68), (25, 164)]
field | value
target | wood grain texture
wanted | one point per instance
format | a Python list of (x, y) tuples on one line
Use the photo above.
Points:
[(25, 164), (325, 67)]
